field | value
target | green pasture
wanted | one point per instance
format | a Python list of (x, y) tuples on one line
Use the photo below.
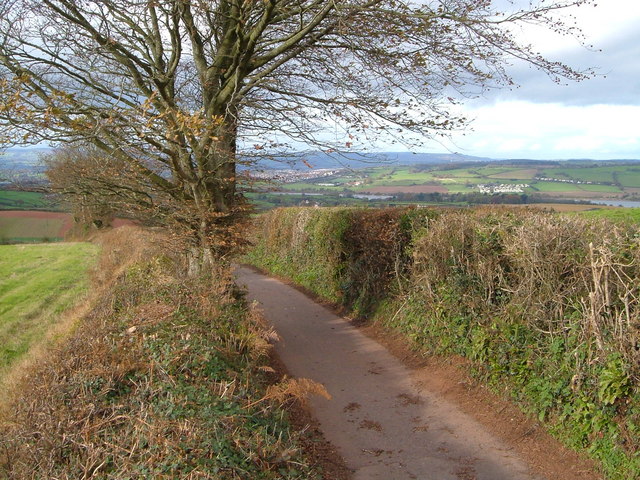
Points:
[(28, 230), (626, 175), (553, 187), (14, 200), (590, 174), (488, 171), (456, 173), (410, 174), (559, 187), (379, 172), (624, 215), (460, 188), (600, 188), (629, 178), (397, 182), (456, 178), (37, 283), (511, 174), (306, 187)]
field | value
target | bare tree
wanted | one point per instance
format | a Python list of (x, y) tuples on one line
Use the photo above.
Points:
[(172, 88), (98, 186)]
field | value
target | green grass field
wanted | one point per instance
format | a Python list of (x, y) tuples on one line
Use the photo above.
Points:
[(551, 187), (600, 188), (607, 180), (624, 215), (596, 174), (37, 283), (13, 200), (626, 175)]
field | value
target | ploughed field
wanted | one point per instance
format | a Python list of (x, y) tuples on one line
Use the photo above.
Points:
[(37, 283), (18, 226)]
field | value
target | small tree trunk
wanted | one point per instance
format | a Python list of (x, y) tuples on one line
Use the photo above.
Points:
[(200, 260)]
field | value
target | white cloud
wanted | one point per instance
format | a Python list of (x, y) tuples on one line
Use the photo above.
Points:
[(596, 118), (518, 129), (598, 22)]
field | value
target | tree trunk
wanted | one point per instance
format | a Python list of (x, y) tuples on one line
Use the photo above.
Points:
[(216, 201)]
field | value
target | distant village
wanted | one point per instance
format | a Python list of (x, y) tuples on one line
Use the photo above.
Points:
[(493, 189), (293, 176)]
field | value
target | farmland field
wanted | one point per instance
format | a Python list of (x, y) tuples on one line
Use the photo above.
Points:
[(29, 227), (37, 283), (14, 200), (467, 183), (566, 179), (626, 175)]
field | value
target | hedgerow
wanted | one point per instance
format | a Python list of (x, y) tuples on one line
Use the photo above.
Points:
[(545, 305)]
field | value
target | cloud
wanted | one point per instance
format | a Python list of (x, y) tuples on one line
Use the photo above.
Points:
[(519, 129), (596, 118), (617, 80), (611, 27)]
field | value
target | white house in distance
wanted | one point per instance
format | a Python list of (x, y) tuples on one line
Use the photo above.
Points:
[(493, 189)]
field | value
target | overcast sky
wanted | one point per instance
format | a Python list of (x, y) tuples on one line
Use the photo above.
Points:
[(597, 118)]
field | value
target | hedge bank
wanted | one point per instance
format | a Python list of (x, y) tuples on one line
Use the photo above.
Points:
[(164, 379), (543, 304)]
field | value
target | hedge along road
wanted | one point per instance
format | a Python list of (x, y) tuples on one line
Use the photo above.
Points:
[(383, 421)]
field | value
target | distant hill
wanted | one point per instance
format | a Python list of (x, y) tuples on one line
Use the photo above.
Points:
[(21, 165), (363, 160), (22, 159), (28, 159), (303, 161)]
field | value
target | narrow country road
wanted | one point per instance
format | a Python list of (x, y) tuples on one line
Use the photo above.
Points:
[(384, 425)]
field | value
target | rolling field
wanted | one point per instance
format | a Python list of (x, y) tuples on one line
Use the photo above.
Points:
[(591, 180), (520, 181), (457, 180), (37, 283), (625, 175)]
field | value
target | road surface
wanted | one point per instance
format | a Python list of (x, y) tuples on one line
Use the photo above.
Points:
[(383, 422)]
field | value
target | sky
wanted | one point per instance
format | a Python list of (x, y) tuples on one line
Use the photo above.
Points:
[(598, 118)]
